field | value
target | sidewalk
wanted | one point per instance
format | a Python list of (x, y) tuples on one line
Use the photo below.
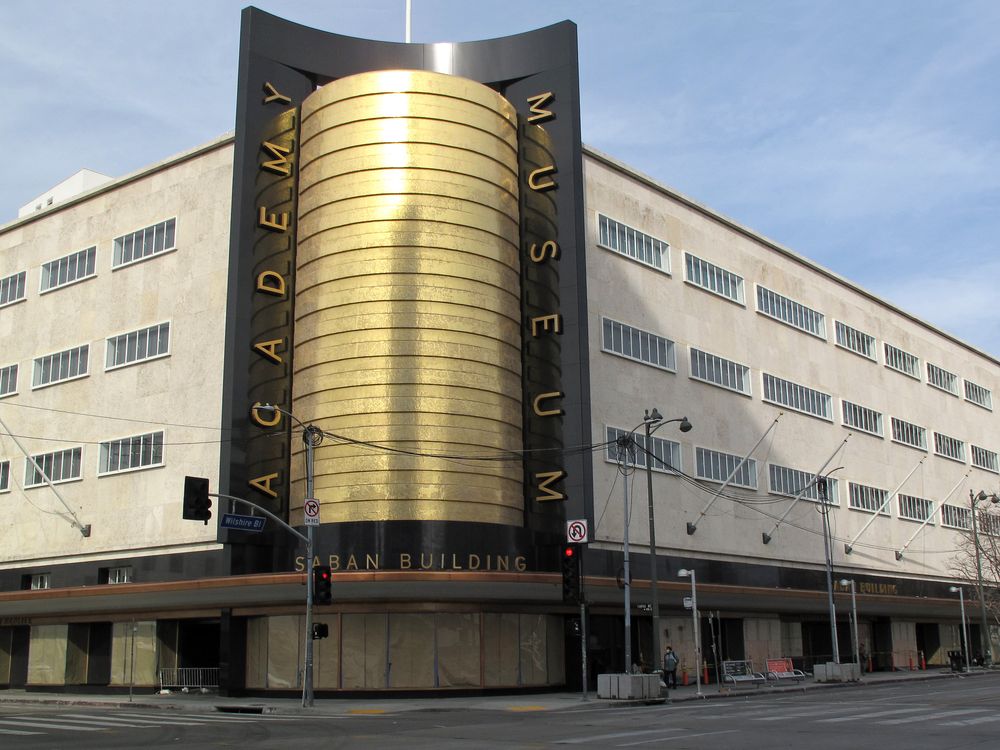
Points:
[(375, 705)]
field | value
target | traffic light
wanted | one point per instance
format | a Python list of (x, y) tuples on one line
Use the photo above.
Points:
[(322, 584), (569, 556), (197, 503), (320, 630)]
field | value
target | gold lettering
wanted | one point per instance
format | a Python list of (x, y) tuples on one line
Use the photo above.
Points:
[(371, 563), (473, 562), (270, 349), (271, 282), (429, 564), (546, 479), (263, 484), (352, 564), (454, 562), (535, 107), (300, 564), (538, 253), (316, 561), (272, 221), (255, 415), (503, 562), (279, 164), (334, 562), (273, 95), (555, 319), (539, 179), (537, 404), (520, 564), (404, 560)]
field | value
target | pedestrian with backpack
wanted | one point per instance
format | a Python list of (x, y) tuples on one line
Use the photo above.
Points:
[(670, 663)]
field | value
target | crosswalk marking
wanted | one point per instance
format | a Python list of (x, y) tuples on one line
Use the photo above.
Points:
[(931, 717), (802, 714), (48, 725), (209, 717), (17, 731), (872, 715), (971, 722)]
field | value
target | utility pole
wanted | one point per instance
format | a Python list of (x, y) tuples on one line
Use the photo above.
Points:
[(828, 545)]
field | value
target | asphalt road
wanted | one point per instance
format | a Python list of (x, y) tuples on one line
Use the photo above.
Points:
[(931, 715)]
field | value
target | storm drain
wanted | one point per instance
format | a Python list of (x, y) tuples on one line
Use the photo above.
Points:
[(240, 709)]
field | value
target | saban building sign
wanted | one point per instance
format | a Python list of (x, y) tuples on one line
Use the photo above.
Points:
[(408, 274)]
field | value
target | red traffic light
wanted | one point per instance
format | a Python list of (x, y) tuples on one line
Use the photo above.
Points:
[(569, 551)]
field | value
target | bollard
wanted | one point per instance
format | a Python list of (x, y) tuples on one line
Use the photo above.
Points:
[(911, 662), (923, 662), (704, 673), (870, 670), (684, 676)]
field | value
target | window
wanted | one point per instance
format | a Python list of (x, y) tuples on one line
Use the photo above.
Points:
[(978, 395), (863, 497), (121, 574), (55, 368), (721, 372), (901, 361), (4, 476), (59, 466), (790, 482), (158, 238), (632, 243), (713, 278), (862, 418), (73, 267), (909, 434), (666, 453), (914, 508), (985, 459), (798, 397), (136, 452), (788, 311), (40, 581), (956, 517), (136, 346), (989, 523), (638, 345), (8, 380), (949, 447), (716, 467), (12, 288), (856, 341), (941, 378)]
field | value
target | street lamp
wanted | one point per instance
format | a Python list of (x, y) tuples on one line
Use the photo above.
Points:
[(965, 635), (649, 420), (985, 642), (685, 573), (311, 437), (824, 508), (854, 620)]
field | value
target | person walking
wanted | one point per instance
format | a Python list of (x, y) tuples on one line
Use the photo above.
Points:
[(670, 663)]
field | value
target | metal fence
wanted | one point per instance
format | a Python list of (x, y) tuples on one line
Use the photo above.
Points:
[(189, 677)]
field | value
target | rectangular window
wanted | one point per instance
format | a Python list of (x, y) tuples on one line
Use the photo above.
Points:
[(856, 341), (40, 581), (949, 447), (909, 434), (55, 368), (136, 452), (666, 453), (721, 372), (4, 476), (985, 459), (956, 517), (989, 523), (152, 240), (862, 418), (978, 395), (791, 312), (58, 466), (941, 378), (901, 361), (713, 278), (914, 508), (716, 466), (122, 574), (136, 346), (863, 497), (12, 288), (73, 267), (641, 346), (8, 380), (632, 243), (790, 482), (798, 397)]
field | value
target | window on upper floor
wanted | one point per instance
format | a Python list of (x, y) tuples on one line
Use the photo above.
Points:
[(639, 345), (791, 482), (909, 434), (5, 475), (716, 370), (856, 341), (863, 497), (914, 508), (121, 574), (130, 453), (902, 361), (941, 378), (12, 288), (151, 240), (666, 453), (978, 395), (61, 366), (956, 517), (989, 523), (713, 278), (68, 269), (632, 243), (8, 380), (58, 466), (716, 466), (136, 346), (985, 459), (861, 418), (786, 310), (797, 397), (949, 447), (40, 581)]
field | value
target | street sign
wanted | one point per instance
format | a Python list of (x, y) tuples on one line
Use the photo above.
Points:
[(243, 523), (688, 603), (644, 607), (576, 531), (311, 511)]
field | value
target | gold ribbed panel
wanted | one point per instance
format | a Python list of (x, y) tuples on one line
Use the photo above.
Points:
[(407, 312)]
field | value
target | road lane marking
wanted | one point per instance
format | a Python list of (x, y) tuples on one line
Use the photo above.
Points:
[(17, 731), (615, 736), (48, 725), (971, 722), (931, 717), (872, 715), (678, 737)]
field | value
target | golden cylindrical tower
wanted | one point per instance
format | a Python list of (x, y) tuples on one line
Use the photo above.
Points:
[(407, 308)]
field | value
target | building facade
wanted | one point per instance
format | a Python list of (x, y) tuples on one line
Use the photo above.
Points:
[(415, 256)]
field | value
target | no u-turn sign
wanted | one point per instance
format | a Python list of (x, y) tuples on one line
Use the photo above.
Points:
[(576, 531)]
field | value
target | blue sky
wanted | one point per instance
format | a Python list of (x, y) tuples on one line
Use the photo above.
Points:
[(862, 135)]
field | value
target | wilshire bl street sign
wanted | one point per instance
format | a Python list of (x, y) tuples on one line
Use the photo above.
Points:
[(243, 523)]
